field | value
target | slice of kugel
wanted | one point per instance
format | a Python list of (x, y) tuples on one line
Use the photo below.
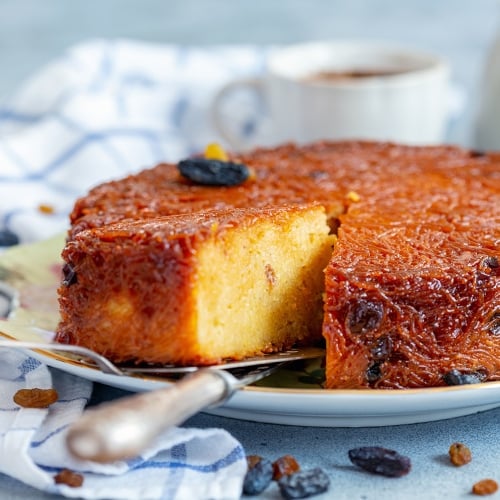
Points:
[(198, 288)]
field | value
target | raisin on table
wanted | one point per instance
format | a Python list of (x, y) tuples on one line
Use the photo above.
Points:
[(8, 238), (304, 484), (35, 398), (379, 460), (460, 454), (284, 466), (259, 475), (485, 487), (69, 477)]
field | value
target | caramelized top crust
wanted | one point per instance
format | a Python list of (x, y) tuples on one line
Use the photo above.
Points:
[(413, 286), (324, 172), (199, 226)]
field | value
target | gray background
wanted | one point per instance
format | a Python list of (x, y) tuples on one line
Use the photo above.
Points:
[(32, 32)]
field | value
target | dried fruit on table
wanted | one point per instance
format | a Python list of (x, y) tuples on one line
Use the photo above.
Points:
[(69, 478), (379, 460), (459, 454), (258, 476), (8, 238), (44, 208), (485, 487), (35, 398), (304, 484), (284, 466)]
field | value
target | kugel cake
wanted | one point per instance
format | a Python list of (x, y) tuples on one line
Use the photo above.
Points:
[(162, 269)]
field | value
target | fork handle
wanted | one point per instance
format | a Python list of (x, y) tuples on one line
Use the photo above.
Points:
[(123, 428)]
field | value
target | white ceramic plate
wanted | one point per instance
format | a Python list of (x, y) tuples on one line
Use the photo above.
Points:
[(292, 397)]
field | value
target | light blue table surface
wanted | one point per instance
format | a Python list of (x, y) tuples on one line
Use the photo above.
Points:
[(32, 32)]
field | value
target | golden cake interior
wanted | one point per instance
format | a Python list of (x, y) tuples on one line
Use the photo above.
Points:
[(259, 289)]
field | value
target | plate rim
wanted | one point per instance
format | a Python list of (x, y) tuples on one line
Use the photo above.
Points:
[(284, 405)]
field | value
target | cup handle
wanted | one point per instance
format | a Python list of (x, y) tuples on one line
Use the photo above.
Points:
[(238, 140)]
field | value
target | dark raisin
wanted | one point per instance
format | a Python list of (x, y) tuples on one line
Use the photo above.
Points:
[(64, 337), (380, 460), (304, 484), (8, 238), (482, 278), (319, 175), (491, 262), (6, 300), (494, 323), (373, 372), (69, 275), (364, 316), (259, 475), (477, 154), (213, 172), (284, 466), (456, 377), (488, 267), (381, 348)]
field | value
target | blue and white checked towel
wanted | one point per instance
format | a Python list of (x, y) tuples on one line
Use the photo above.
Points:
[(105, 109), (184, 463)]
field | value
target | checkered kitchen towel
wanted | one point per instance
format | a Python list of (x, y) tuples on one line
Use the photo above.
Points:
[(105, 109), (183, 464)]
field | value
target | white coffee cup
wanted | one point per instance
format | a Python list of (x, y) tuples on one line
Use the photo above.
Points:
[(343, 90), (487, 134)]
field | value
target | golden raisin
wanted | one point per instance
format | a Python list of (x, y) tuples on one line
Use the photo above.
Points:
[(459, 454), (252, 460), (284, 466), (214, 151), (35, 398), (45, 209), (353, 196), (69, 478), (485, 487)]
